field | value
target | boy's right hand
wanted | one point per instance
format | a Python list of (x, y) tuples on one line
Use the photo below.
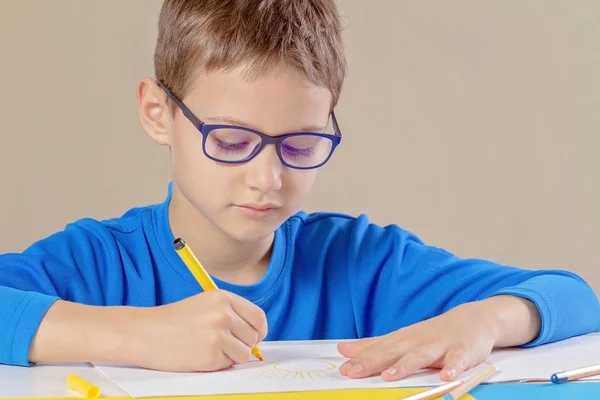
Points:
[(206, 332)]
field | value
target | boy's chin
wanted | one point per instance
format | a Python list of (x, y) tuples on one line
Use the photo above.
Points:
[(249, 236), (251, 231)]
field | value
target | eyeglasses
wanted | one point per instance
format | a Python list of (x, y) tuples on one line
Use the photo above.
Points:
[(236, 144)]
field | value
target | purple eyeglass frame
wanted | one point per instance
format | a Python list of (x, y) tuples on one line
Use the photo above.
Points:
[(205, 129)]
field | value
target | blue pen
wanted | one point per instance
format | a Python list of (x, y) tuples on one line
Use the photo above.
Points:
[(574, 374)]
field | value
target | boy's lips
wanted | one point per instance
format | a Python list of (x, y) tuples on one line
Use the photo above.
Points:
[(256, 210), (260, 207)]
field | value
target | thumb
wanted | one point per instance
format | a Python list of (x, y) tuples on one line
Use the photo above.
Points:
[(351, 349)]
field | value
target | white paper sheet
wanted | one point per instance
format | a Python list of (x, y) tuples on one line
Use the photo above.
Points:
[(302, 366), (539, 363), (287, 367), (48, 381)]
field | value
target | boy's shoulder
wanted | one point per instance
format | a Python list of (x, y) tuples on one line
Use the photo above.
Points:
[(129, 223), (324, 222), (320, 219), (88, 238), (132, 220), (357, 229)]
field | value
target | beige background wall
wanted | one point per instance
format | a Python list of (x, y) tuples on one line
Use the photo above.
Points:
[(473, 124)]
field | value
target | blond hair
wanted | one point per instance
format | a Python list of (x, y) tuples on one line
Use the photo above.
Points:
[(209, 35)]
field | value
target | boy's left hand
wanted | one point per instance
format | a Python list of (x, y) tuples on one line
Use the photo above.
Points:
[(453, 342)]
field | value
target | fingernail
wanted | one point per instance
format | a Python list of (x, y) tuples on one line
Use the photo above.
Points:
[(391, 371), (451, 373), (356, 369), (344, 367)]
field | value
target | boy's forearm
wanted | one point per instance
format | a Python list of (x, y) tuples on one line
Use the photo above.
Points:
[(72, 332), (516, 320)]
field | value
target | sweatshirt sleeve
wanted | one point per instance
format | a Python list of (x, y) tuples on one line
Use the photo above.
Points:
[(397, 281), (62, 266)]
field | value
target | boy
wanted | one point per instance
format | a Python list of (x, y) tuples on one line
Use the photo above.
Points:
[(244, 97)]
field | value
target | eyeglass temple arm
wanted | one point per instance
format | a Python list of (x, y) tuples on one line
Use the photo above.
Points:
[(186, 111), (336, 126)]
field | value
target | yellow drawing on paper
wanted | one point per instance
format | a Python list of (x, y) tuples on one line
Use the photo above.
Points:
[(305, 369)]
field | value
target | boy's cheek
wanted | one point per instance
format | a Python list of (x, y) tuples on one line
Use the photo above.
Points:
[(298, 183)]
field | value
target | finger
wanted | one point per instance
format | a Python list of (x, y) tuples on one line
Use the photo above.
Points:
[(235, 349), (242, 330), (456, 362), (414, 360), (375, 358), (252, 314), (212, 356), (351, 349)]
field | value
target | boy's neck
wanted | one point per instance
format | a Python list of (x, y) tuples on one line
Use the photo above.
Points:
[(222, 256)]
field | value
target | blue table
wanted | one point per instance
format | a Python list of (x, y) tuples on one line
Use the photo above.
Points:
[(534, 391)]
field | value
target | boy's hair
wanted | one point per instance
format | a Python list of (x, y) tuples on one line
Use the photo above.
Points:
[(210, 35)]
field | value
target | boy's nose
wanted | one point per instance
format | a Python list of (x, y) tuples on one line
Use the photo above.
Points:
[(264, 171)]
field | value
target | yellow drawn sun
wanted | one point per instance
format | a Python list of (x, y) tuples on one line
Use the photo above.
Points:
[(305, 369)]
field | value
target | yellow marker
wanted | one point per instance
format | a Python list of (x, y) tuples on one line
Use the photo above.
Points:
[(83, 387), (201, 275)]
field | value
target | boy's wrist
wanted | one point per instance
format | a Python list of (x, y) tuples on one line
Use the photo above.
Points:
[(513, 321), (128, 336)]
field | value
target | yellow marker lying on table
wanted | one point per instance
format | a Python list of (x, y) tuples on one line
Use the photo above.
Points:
[(82, 387), (201, 275)]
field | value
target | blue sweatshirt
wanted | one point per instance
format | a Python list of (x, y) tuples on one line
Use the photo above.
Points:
[(330, 276)]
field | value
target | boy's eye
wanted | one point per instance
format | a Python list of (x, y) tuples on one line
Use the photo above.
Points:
[(230, 144), (300, 146), (305, 150), (297, 152)]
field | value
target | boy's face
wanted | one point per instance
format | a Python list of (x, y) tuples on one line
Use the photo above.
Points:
[(246, 201)]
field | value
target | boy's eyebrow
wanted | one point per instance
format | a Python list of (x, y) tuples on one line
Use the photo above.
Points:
[(234, 121)]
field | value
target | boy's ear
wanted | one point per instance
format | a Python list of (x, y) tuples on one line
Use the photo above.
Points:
[(153, 111)]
